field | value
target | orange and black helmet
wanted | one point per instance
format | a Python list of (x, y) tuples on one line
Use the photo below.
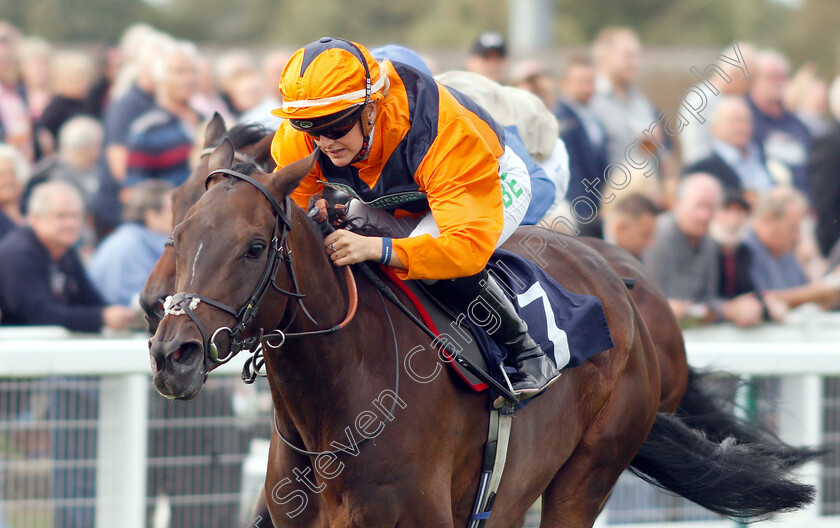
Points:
[(328, 82)]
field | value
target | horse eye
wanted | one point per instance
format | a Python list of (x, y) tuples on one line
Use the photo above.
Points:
[(255, 250)]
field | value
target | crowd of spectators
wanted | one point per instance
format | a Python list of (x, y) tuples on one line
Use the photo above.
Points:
[(736, 216), (91, 146)]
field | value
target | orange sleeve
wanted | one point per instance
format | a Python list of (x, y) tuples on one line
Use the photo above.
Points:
[(289, 146), (460, 176)]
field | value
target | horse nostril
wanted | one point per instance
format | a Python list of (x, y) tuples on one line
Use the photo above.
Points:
[(186, 352), (178, 354)]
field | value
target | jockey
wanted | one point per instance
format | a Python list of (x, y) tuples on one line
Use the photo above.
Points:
[(425, 165)]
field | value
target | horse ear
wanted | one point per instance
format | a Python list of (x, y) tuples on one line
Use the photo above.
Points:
[(287, 179), (220, 158), (214, 131), (262, 153)]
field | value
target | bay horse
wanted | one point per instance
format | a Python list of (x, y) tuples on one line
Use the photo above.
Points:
[(599, 412), (255, 142)]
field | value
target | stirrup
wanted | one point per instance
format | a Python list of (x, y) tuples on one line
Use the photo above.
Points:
[(500, 401), (523, 395)]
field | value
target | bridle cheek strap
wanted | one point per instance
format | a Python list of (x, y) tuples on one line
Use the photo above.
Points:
[(185, 303)]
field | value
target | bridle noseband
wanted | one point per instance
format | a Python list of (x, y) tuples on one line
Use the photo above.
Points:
[(185, 303)]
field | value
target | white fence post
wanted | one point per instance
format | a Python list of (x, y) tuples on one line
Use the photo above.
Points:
[(121, 452), (800, 424)]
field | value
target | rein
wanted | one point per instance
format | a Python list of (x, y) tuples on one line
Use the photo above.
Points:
[(379, 429)]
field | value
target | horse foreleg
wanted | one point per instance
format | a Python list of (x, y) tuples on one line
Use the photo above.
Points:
[(520, 522), (288, 497)]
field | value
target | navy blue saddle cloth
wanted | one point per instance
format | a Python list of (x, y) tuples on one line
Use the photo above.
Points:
[(570, 328)]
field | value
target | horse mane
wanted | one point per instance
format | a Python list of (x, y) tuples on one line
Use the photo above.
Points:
[(247, 167), (340, 221), (245, 134)]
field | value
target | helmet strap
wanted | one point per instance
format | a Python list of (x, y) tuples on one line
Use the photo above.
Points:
[(363, 153), (365, 150)]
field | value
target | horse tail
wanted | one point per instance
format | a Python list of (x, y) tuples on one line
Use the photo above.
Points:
[(729, 478), (708, 414)]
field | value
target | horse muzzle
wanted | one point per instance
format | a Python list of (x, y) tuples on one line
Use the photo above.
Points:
[(178, 367)]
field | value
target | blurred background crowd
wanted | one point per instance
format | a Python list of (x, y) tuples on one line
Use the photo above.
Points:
[(712, 156), (730, 196)]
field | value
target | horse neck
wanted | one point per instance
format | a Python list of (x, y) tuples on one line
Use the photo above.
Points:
[(317, 278), (308, 375)]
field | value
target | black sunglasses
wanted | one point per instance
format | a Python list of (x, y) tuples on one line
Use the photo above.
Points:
[(332, 126)]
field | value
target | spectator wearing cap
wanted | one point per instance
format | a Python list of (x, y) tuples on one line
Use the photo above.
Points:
[(126, 257), (684, 259), (782, 137), (774, 234), (580, 128), (728, 229), (735, 160), (489, 56), (45, 284), (823, 170), (160, 141), (14, 173), (631, 223)]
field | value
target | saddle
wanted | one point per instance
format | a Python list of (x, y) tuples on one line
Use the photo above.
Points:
[(570, 328)]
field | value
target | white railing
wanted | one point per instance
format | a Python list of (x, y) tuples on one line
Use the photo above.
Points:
[(800, 352)]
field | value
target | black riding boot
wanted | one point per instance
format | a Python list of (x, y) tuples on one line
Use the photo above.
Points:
[(534, 371)]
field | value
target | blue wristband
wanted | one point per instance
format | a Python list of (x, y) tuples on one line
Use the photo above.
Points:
[(387, 251)]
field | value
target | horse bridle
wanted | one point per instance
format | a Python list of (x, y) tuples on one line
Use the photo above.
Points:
[(185, 303)]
